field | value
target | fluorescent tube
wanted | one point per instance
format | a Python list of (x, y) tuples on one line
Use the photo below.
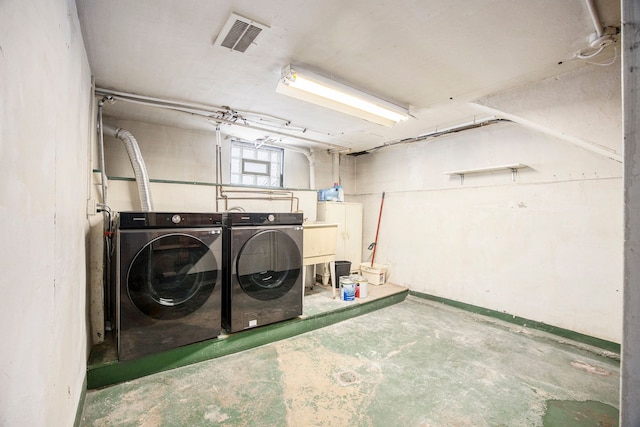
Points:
[(319, 90)]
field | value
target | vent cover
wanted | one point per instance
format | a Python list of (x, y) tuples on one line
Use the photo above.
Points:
[(238, 33)]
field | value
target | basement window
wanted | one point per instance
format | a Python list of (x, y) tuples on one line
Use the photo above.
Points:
[(259, 165)]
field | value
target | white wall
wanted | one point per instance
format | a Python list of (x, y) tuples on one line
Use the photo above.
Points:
[(188, 156), (547, 247), (44, 131), (583, 107)]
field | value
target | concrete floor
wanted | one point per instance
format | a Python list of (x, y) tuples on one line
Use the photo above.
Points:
[(416, 363)]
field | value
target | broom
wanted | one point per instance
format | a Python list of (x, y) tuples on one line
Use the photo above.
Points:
[(374, 245)]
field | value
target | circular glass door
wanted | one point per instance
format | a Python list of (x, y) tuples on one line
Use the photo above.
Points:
[(172, 276), (268, 265)]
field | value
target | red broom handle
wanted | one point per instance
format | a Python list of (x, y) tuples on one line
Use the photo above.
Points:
[(375, 244)]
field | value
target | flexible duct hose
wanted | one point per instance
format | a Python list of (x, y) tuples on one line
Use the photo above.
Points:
[(137, 163)]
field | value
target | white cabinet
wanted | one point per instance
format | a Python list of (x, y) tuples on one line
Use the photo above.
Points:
[(348, 216)]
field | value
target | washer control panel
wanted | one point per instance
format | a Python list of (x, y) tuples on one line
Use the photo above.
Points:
[(137, 220), (257, 218)]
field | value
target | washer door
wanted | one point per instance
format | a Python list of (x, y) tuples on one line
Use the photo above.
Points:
[(268, 265), (172, 276)]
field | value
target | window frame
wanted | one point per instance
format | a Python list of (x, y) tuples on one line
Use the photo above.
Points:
[(243, 168), (242, 174)]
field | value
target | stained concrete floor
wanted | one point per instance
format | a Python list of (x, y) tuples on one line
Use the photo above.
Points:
[(416, 363)]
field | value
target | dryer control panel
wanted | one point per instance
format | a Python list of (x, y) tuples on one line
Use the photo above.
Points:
[(261, 218), (137, 220)]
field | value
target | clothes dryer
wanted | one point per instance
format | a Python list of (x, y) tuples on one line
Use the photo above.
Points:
[(169, 277), (263, 269)]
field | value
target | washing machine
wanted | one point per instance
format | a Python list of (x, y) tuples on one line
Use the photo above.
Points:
[(263, 269), (169, 280)]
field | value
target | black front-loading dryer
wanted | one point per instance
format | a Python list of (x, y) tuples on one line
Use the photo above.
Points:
[(168, 284), (263, 269)]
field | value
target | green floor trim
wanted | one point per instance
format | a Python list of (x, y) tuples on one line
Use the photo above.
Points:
[(101, 375), (565, 333)]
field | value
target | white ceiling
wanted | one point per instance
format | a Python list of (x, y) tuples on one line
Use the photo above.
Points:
[(435, 56)]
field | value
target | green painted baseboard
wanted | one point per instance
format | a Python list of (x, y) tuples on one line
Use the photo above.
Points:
[(565, 333), (108, 373)]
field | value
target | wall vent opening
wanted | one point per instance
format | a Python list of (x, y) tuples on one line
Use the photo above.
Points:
[(238, 33)]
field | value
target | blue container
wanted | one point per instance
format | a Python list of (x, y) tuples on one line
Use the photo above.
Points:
[(333, 194), (347, 289)]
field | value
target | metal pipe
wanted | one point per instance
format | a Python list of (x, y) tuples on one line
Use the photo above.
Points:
[(137, 163), (167, 103), (311, 158), (207, 112), (593, 12), (218, 156), (218, 180), (312, 169), (103, 173), (276, 192), (291, 199), (454, 129), (274, 195), (336, 167)]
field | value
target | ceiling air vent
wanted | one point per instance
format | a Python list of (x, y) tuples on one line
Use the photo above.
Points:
[(238, 33)]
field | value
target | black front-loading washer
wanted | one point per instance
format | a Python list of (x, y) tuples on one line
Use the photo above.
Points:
[(168, 285), (263, 269)]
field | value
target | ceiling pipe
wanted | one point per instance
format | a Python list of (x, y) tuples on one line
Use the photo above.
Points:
[(335, 157), (103, 172), (137, 163), (593, 12), (218, 179), (209, 113), (312, 169), (311, 158), (603, 36), (446, 131)]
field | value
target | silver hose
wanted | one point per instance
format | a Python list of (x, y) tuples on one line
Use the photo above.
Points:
[(137, 163)]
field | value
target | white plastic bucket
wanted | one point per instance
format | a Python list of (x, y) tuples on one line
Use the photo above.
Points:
[(376, 274), (361, 284), (364, 292)]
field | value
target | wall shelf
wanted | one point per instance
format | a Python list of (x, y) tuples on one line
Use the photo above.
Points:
[(512, 167)]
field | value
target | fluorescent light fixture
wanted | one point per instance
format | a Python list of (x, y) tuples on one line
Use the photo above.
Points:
[(307, 86)]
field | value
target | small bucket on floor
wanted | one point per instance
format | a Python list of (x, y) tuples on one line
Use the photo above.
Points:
[(347, 289), (376, 274), (361, 285)]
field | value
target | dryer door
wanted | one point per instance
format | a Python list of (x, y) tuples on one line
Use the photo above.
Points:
[(268, 265), (172, 276)]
